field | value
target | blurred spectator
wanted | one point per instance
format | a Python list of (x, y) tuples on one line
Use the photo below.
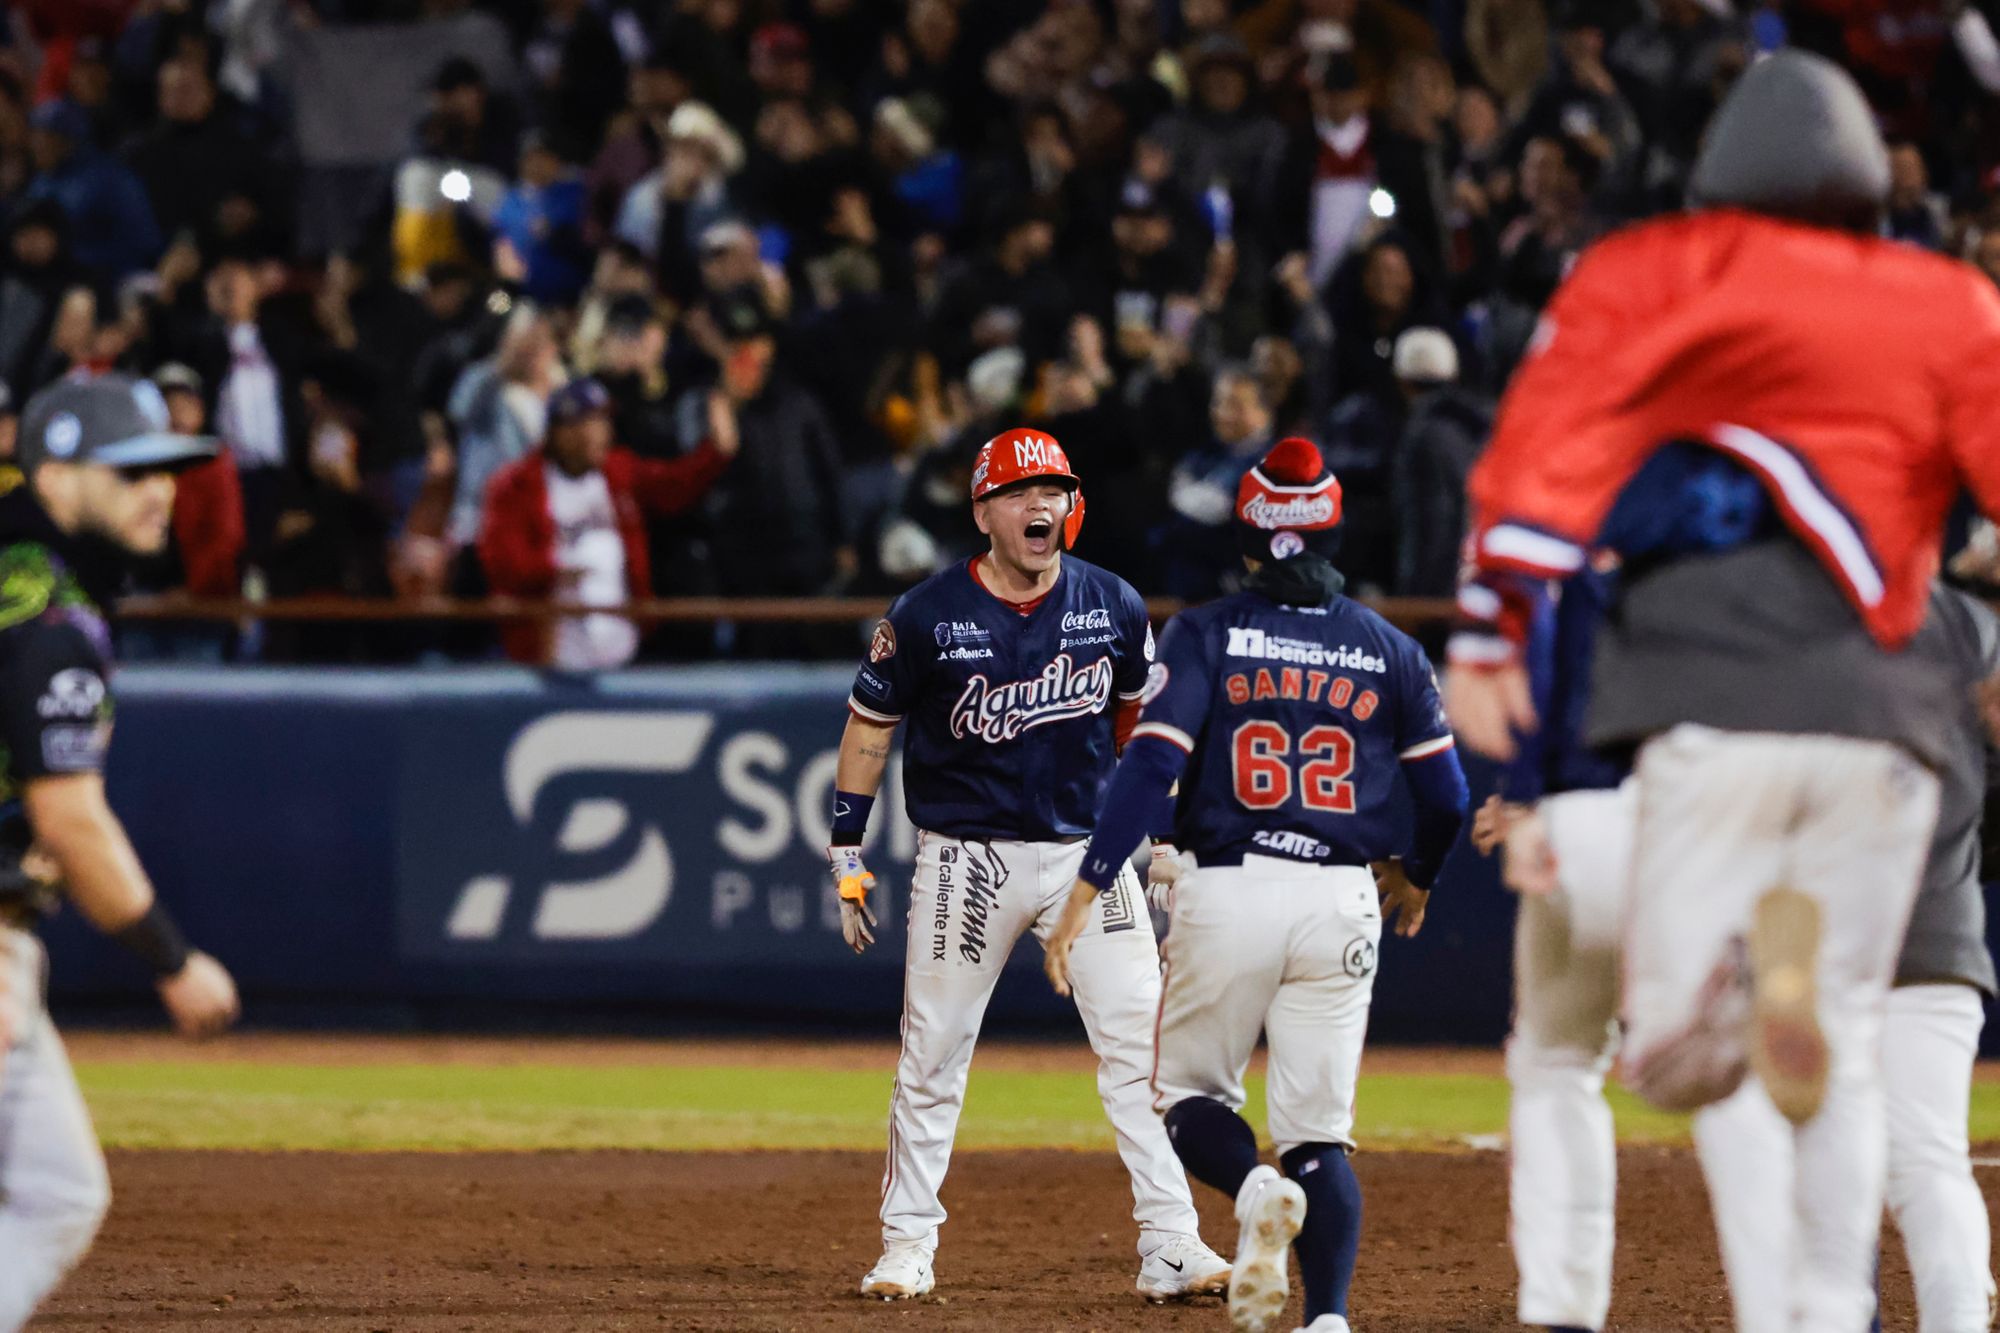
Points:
[(1446, 428), (567, 522), (208, 500), (1579, 104), (665, 214), (499, 408), (1916, 214), (630, 364), (446, 193), (10, 426), (1986, 254), (1675, 72), (1412, 154), (1221, 141), (112, 231), (203, 174), (37, 273), (538, 227), (1196, 539), (577, 70), (250, 363), (1343, 170), (1508, 43), (636, 138), (205, 556), (786, 479), (1013, 295)]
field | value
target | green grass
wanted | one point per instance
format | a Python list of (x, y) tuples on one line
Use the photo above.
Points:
[(157, 1104)]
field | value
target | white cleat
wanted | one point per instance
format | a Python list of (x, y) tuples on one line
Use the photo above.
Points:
[(1271, 1210), (1327, 1323), (902, 1273), (1180, 1267)]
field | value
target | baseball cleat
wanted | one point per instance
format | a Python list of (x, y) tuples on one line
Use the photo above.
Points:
[(1327, 1323), (902, 1273), (1180, 1267), (1787, 1048), (1271, 1210)]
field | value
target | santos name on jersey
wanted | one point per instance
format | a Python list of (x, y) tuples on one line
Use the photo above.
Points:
[(1297, 719), (1010, 729)]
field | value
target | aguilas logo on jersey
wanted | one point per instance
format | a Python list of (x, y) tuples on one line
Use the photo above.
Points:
[(883, 645), (1002, 712)]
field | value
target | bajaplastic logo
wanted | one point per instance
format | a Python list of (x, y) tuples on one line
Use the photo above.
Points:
[(1002, 712)]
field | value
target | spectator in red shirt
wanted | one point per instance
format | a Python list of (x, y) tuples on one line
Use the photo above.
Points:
[(568, 522), (208, 501)]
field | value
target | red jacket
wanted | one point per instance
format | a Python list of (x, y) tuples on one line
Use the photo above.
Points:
[(1858, 378), (208, 527), (517, 536)]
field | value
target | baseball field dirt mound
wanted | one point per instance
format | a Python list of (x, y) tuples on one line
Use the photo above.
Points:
[(776, 1241)]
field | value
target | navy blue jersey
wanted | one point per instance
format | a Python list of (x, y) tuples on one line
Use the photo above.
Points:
[(1009, 717), (1298, 721), (1562, 639)]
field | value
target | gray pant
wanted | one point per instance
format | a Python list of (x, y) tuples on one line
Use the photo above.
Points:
[(53, 1186)]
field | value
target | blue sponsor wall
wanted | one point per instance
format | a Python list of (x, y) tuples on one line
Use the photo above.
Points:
[(497, 846)]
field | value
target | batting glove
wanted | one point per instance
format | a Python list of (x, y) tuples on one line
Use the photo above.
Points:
[(854, 881), (1161, 876)]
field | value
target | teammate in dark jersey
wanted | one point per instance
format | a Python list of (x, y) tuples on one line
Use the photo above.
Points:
[(1289, 715), (1015, 675), (97, 463)]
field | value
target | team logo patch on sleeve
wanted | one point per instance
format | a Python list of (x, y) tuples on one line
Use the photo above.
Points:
[(75, 693), (1149, 641), (882, 646), (1156, 682)]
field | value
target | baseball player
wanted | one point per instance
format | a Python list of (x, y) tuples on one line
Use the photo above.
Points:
[(1785, 746), (1570, 858), (1290, 716), (97, 461), (1930, 1039), (1017, 673), (1567, 823)]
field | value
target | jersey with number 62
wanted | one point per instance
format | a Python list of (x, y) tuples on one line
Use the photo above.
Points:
[(1298, 720)]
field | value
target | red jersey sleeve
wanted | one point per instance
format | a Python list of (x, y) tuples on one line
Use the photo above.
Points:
[(1972, 400)]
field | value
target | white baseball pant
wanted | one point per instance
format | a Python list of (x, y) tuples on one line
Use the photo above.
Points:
[(1930, 1039), (1723, 818), (1278, 947), (1563, 1168), (970, 902), (53, 1186)]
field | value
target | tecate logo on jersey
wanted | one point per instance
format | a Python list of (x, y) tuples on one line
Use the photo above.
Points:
[(1002, 712), (1251, 642), (1082, 620), (1301, 512)]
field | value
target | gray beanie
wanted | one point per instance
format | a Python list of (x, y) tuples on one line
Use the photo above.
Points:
[(1795, 138)]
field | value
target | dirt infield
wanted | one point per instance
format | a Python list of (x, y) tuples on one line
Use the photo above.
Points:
[(775, 1241)]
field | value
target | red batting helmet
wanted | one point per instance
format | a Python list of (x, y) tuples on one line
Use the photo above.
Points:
[(1289, 503), (1021, 455)]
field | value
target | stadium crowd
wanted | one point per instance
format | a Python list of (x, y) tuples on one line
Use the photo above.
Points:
[(642, 297)]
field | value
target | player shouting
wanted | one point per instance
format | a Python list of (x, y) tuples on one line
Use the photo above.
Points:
[(1785, 743), (1006, 668), (1289, 715)]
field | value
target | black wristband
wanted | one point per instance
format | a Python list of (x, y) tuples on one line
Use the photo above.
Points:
[(156, 940)]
